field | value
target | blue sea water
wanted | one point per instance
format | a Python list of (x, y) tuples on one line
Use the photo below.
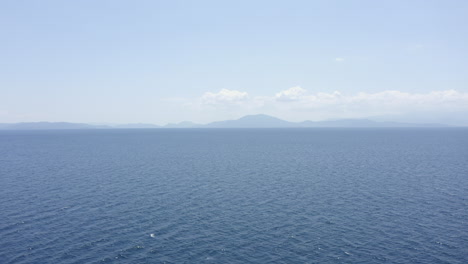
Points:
[(234, 196)]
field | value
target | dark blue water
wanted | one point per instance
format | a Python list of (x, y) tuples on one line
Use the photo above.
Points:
[(234, 196)]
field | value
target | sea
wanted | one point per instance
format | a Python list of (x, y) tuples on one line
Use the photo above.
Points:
[(383, 195)]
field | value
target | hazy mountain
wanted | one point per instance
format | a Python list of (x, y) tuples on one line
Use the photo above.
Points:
[(184, 124), (265, 121), (66, 125), (46, 125), (136, 125), (252, 121), (249, 121), (362, 123), (340, 123)]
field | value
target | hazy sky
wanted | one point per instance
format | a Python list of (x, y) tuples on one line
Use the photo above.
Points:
[(169, 61)]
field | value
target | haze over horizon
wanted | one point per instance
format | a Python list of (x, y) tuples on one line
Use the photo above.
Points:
[(166, 62)]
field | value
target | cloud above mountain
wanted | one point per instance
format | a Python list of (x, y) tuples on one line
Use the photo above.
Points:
[(392, 101), (291, 94), (297, 103), (224, 96)]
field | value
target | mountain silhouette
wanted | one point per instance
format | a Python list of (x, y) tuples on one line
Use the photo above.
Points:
[(249, 121)]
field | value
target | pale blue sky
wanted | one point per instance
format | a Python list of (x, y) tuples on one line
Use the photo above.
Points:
[(167, 61)]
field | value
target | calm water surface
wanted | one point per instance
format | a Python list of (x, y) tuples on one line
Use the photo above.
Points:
[(234, 196)]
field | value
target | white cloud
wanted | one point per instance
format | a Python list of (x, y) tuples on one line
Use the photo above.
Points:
[(296, 104), (291, 94), (391, 101), (385, 101), (224, 96), (339, 59), (401, 101)]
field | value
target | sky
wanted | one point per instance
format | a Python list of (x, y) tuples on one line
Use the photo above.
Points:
[(171, 61)]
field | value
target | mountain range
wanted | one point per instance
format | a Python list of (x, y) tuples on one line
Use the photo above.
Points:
[(249, 121)]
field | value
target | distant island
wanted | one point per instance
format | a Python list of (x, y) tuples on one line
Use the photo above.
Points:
[(249, 121)]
